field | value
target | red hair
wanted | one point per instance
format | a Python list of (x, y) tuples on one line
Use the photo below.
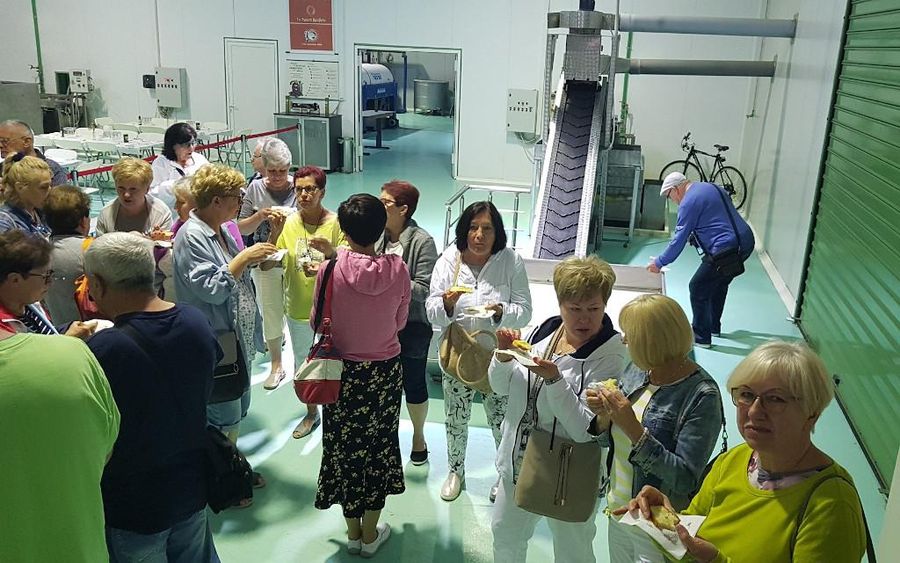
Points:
[(314, 172), (403, 193)]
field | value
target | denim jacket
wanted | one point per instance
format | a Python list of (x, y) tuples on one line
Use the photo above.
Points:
[(683, 420)]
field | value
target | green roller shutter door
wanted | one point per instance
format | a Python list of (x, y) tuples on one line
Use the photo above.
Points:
[(850, 311)]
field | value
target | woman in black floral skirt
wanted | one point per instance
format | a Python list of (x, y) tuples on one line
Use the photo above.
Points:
[(361, 461)]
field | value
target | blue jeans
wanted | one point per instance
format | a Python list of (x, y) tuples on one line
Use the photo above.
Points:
[(228, 415), (188, 541), (708, 290)]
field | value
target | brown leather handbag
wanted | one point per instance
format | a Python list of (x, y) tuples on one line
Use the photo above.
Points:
[(559, 477)]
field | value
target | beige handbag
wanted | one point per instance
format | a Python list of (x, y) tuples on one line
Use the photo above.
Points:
[(462, 357), (559, 478)]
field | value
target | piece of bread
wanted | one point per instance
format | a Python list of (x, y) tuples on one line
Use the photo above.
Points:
[(521, 345), (461, 289), (663, 518), (610, 384)]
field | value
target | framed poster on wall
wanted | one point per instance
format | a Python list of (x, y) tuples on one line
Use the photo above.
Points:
[(311, 25), (314, 79)]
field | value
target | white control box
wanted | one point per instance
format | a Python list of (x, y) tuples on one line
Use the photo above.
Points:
[(170, 87), (79, 81), (521, 111)]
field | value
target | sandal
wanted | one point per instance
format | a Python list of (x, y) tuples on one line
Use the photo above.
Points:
[(274, 380), (306, 427), (243, 503)]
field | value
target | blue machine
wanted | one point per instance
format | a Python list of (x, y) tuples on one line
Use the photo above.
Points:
[(379, 89)]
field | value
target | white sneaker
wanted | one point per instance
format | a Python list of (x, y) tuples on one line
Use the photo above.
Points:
[(354, 546), (369, 549)]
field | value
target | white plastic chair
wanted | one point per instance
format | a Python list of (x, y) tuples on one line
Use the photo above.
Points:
[(84, 132), (91, 184), (71, 145), (103, 121), (106, 151), (151, 137), (153, 129), (62, 154), (160, 122)]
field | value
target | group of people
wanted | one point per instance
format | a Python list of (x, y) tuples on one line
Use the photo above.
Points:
[(115, 438)]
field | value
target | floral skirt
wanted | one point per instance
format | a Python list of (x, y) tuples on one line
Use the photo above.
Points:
[(361, 461)]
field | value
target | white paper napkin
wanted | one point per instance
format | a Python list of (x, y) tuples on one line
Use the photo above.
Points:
[(669, 540)]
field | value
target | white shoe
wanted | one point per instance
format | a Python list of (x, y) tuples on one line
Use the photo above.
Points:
[(369, 549), (452, 486), (354, 546)]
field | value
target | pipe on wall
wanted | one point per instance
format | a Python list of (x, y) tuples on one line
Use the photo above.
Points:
[(697, 67), (708, 26), (37, 44)]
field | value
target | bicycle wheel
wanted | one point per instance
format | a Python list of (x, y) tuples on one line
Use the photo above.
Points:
[(733, 181), (686, 167)]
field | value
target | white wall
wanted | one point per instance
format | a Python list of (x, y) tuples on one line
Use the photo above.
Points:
[(782, 145)]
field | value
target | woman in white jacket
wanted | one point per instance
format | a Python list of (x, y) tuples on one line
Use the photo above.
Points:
[(587, 350), (478, 270)]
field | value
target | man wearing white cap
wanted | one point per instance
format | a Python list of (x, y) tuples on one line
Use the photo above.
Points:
[(708, 220)]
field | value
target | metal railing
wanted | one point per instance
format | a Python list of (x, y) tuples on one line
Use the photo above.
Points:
[(459, 198)]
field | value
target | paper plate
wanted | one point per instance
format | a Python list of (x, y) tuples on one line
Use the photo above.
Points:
[(478, 312), (519, 356)]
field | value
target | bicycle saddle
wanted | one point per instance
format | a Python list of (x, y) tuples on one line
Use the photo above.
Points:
[(721, 148)]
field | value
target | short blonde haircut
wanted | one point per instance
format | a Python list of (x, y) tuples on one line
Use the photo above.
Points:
[(182, 189), (657, 330), (130, 169), (577, 279), (214, 180), (799, 370), (26, 172)]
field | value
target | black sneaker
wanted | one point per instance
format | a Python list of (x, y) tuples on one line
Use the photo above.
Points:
[(419, 458)]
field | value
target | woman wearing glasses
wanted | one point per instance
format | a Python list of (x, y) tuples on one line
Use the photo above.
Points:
[(25, 276), (662, 421), (213, 275), (177, 160), (309, 238), (777, 497)]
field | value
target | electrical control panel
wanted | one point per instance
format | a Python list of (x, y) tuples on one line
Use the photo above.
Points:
[(170, 87), (521, 111), (79, 81)]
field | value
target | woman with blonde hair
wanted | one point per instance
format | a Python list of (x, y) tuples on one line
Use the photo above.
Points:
[(134, 209), (212, 274), (24, 188), (776, 497), (573, 350), (661, 423)]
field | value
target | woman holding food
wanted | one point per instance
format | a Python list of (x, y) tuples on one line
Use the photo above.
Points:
[(481, 285), (776, 497), (573, 351), (662, 421), (268, 198)]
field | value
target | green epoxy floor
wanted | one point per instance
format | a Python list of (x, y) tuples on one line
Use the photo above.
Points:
[(283, 525)]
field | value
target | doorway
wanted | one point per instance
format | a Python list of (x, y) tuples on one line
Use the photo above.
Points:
[(406, 106), (251, 83)]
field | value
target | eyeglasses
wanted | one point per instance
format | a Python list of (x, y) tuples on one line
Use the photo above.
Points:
[(190, 144), (240, 197), (387, 201), (306, 189), (48, 275), (4, 140), (773, 402)]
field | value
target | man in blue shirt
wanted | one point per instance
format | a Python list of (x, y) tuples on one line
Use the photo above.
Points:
[(707, 219)]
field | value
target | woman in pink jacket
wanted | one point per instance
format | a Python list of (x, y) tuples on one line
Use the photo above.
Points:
[(361, 462)]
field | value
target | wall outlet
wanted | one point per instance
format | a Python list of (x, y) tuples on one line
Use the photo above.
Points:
[(521, 111)]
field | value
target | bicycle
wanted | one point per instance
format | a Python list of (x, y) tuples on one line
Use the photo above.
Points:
[(729, 177)]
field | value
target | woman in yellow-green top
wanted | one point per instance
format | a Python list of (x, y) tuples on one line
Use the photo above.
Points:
[(310, 237), (777, 497)]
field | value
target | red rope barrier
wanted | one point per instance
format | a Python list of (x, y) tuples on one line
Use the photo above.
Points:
[(208, 146)]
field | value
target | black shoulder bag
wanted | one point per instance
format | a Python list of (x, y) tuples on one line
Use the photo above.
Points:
[(727, 262), (229, 477)]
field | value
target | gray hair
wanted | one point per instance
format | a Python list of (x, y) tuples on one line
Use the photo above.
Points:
[(124, 261), (19, 125), (260, 142), (276, 154)]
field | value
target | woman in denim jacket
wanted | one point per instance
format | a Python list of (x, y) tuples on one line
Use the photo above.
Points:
[(662, 422)]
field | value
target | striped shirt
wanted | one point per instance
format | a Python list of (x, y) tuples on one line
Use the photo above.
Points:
[(622, 479)]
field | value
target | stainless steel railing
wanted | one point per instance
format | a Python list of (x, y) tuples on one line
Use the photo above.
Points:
[(458, 200)]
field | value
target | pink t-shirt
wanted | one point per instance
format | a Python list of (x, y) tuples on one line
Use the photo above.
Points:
[(370, 304)]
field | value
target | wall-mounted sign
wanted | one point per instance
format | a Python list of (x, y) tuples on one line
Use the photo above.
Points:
[(314, 79), (311, 25)]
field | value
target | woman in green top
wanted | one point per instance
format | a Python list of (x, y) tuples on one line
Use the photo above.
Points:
[(309, 237), (778, 497)]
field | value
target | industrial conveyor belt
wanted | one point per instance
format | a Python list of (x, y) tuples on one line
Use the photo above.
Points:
[(567, 182)]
